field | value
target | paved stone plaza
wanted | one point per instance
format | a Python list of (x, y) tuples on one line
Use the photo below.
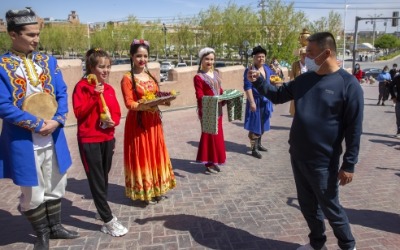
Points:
[(251, 204)]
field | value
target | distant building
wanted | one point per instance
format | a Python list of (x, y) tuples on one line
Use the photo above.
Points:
[(73, 17)]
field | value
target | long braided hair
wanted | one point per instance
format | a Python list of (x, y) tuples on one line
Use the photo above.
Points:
[(135, 45)]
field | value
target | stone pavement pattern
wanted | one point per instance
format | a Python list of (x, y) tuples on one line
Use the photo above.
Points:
[(251, 204)]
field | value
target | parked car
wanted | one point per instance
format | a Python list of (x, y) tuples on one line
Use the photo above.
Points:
[(219, 64), (181, 64), (374, 72), (163, 76), (119, 61), (166, 66)]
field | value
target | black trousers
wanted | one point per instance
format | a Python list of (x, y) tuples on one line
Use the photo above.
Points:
[(318, 193), (97, 160)]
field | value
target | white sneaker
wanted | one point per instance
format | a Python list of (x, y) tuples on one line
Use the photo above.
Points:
[(309, 247), (114, 228)]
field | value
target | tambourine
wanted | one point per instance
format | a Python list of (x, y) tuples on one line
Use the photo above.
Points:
[(42, 105)]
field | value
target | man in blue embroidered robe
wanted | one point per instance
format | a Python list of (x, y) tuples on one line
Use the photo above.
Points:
[(33, 151)]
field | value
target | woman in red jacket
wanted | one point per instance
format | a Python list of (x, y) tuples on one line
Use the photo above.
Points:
[(357, 72), (97, 111)]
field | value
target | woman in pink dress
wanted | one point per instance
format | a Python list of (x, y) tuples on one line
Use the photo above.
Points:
[(207, 82)]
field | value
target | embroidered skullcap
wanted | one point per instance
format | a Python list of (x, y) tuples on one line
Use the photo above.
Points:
[(205, 51), (258, 49), (21, 17)]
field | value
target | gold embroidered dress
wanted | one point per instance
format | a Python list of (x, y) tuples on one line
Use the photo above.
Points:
[(148, 168)]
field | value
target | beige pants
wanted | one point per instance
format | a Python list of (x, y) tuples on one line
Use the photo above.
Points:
[(51, 184)]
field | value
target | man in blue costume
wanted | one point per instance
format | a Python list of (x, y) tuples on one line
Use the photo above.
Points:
[(33, 151), (329, 107), (258, 107)]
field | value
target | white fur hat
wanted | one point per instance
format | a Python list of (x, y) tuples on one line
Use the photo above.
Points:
[(204, 51)]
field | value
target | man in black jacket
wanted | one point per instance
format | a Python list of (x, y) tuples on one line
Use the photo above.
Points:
[(393, 72), (329, 107), (395, 85)]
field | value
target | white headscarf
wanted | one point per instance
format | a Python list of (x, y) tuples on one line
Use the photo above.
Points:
[(204, 51)]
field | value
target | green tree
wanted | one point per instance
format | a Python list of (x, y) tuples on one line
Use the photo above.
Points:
[(153, 32), (239, 24), (387, 41), (283, 26), (5, 42), (332, 24), (210, 24), (54, 38), (183, 37)]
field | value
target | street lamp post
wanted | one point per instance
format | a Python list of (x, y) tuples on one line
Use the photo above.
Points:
[(164, 29), (373, 22), (88, 34), (344, 33), (246, 45)]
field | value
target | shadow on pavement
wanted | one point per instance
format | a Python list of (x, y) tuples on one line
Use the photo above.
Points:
[(279, 128), (382, 135), (20, 230), (379, 220), (213, 234), (392, 169), (116, 193), (387, 143), (17, 230), (384, 221), (186, 165), (229, 146)]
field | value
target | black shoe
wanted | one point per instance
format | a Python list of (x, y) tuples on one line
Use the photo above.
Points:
[(210, 170), (150, 202), (217, 168), (378, 103), (383, 104), (262, 148), (160, 198), (40, 225), (256, 154), (59, 232), (53, 210)]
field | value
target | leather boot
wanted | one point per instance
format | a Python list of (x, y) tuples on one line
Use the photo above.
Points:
[(38, 218), (54, 216), (261, 147), (254, 148)]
